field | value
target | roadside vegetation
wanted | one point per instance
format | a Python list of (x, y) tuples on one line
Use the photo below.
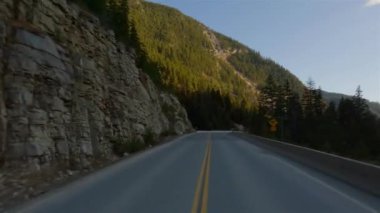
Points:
[(174, 50), (346, 128), (122, 146)]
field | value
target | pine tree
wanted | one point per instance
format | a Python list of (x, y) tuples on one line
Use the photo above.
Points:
[(269, 97), (294, 117), (360, 104), (318, 102), (346, 109), (287, 95), (331, 113), (308, 99)]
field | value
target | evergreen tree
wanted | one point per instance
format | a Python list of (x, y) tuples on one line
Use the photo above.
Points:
[(308, 99), (346, 109), (360, 104), (268, 100), (176, 54), (331, 113), (318, 102)]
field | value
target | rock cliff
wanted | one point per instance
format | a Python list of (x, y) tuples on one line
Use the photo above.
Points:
[(67, 87)]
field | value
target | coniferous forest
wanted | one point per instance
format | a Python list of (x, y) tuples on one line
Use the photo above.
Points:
[(223, 84)]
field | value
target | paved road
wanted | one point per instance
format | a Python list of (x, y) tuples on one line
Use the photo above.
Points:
[(206, 172)]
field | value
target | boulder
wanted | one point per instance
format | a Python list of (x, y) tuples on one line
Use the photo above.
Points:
[(35, 149), (86, 147), (139, 128), (38, 42)]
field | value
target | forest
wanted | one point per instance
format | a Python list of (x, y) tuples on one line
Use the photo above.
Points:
[(173, 49)]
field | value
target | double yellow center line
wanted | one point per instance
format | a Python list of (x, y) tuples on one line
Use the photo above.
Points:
[(201, 195)]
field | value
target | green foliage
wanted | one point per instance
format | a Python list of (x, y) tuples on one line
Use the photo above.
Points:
[(255, 67), (209, 110), (174, 50), (169, 132), (112, 13), (121, 145), (150, 138), (176, 53), (348, 129)]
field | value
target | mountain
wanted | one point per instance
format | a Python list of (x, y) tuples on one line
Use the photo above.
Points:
[(188, 57), (374, 107), (83, 82)]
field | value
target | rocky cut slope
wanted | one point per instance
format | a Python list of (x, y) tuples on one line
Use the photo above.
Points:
[(68, 88)]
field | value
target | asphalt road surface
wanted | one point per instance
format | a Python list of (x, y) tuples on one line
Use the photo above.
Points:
[(206, 172)]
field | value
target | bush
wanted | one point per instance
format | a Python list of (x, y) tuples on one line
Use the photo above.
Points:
[(169, 132), (150, 137), (121, 145)]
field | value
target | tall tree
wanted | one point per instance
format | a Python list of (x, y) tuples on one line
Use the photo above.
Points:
[(318, 102), (308, 99), (360, 104), (269, 97)]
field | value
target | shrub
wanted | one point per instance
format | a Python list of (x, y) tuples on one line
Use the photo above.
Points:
[(168, 132), (121, 145), (150, 137)]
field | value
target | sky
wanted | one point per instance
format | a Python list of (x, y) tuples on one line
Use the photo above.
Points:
[(334, 42)]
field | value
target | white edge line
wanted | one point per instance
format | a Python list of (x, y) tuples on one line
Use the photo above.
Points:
[(317, 151), (328, 186), (364, 206)]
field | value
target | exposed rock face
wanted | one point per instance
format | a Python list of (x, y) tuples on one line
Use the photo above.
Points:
[(67, 87)]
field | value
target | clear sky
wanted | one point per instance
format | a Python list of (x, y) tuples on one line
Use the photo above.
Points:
[(334, 42)]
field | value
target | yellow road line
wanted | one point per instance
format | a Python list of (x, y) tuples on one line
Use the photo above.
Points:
[(203, 180), (199, 182), (205, 185)]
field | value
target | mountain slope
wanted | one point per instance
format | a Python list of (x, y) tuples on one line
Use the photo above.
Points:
[(255, 67), (374, 107), (187, 57)]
